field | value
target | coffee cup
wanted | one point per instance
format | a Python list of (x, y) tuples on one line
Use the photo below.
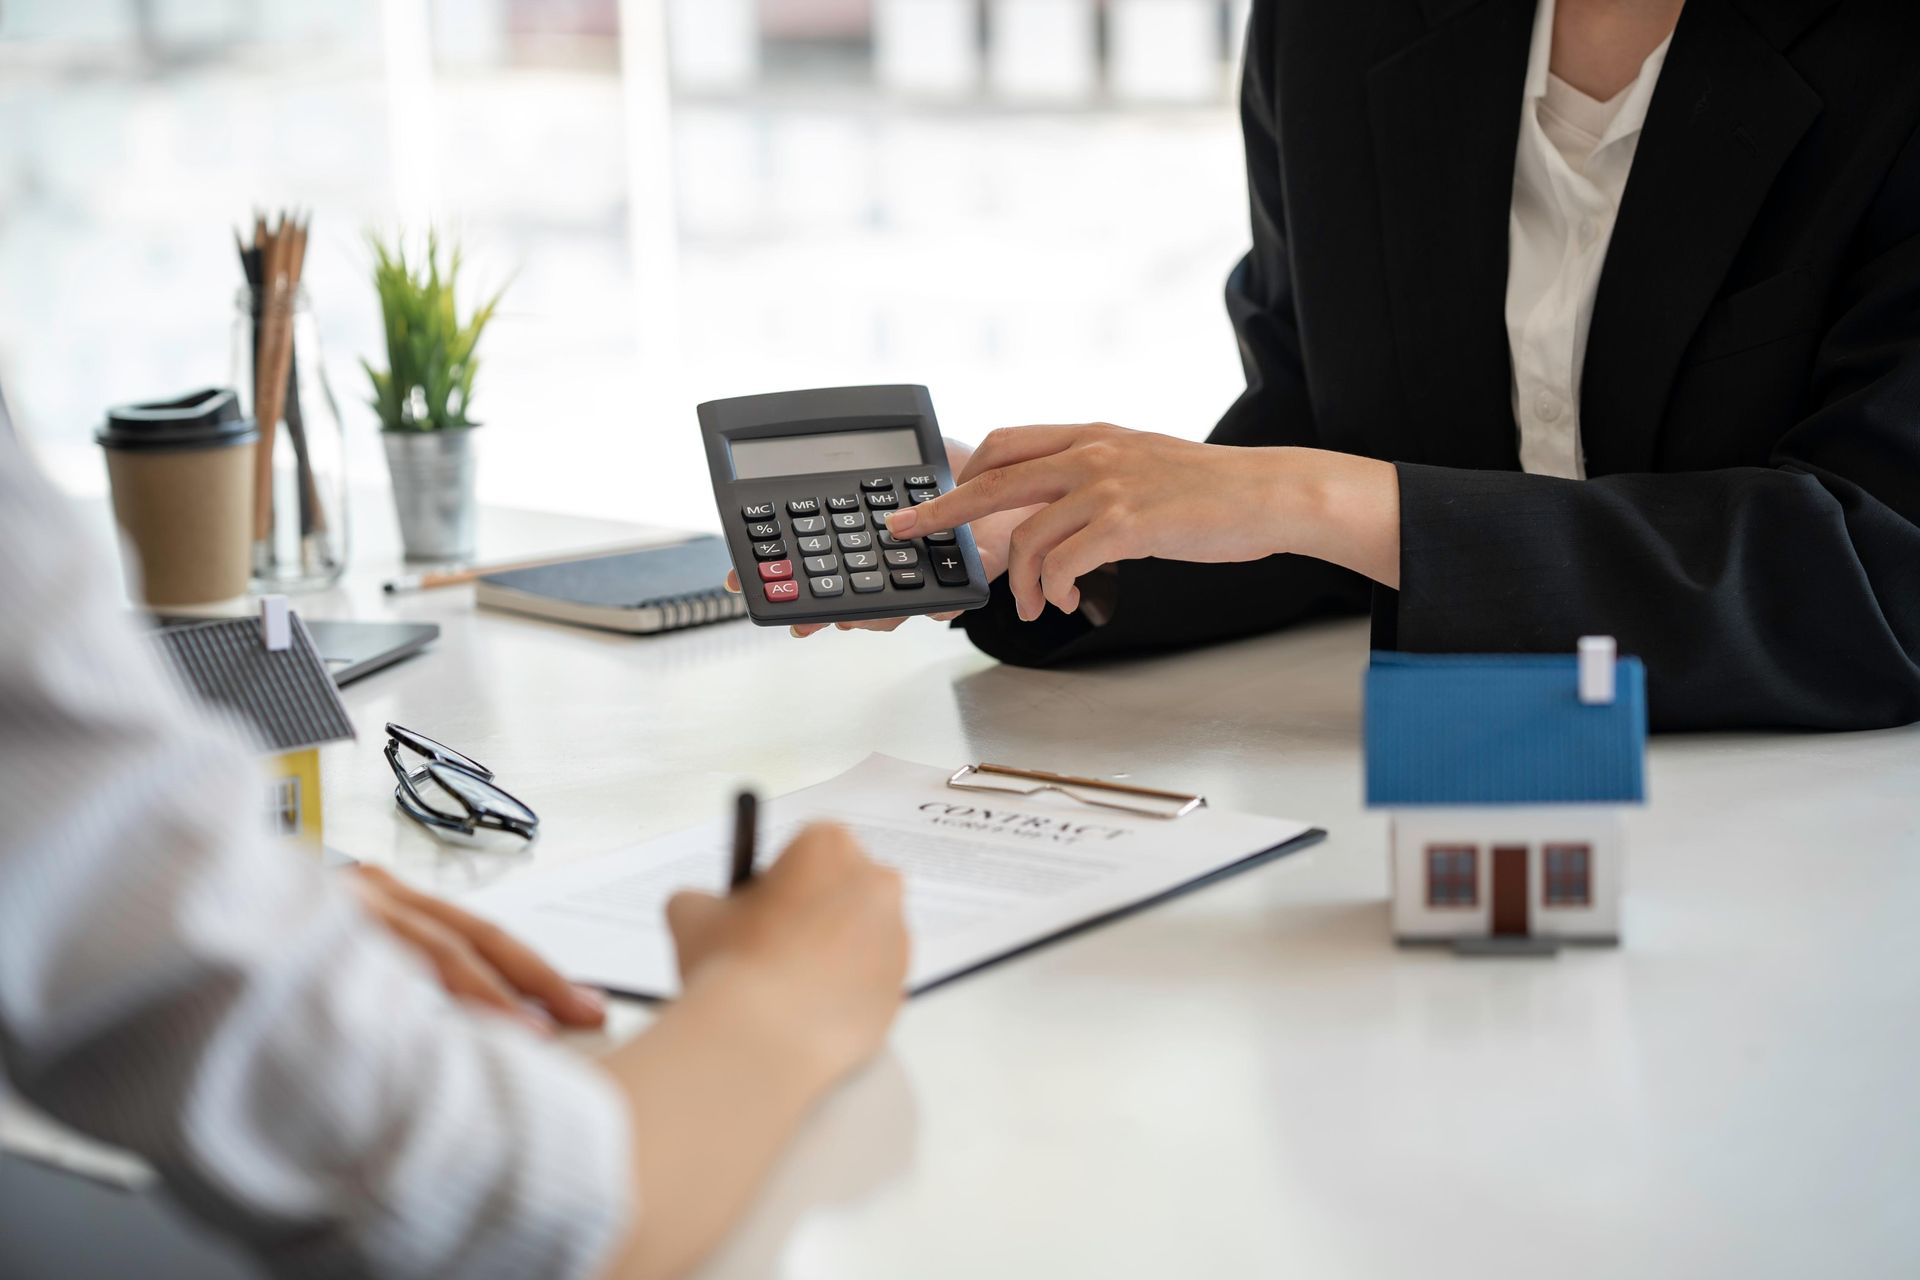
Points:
[(182, 477)]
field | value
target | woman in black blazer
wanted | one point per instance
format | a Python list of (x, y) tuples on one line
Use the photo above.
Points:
[(1749, 412)]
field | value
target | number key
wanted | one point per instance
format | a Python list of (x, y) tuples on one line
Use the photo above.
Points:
[(849, 520), (818, 545), (862, 560), (823, 564), (904, 558), (809, 524), (827, 587), (853, 541)]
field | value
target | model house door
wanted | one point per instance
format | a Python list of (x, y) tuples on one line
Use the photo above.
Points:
[(1509, 891)]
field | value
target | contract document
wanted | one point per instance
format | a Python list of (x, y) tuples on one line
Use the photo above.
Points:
[(987, 875)]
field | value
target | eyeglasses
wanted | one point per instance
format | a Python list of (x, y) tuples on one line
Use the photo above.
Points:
[(452, 792)]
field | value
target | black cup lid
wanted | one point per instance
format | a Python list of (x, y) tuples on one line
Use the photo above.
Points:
[(201, 420)]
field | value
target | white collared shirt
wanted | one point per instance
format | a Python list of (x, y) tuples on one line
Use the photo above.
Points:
[(1570, 171)]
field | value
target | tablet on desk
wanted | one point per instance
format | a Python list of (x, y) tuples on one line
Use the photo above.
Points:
[(804, 481)]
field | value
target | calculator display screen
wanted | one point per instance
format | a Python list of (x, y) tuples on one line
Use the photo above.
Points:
[(831, 451)]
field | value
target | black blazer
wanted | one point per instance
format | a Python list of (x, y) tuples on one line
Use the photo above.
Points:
[(1750, 407)]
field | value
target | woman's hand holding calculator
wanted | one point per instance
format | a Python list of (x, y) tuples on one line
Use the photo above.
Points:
[(1049, 505), (990, 536)]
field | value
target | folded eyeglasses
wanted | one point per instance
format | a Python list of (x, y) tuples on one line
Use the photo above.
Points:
[(452, 792)]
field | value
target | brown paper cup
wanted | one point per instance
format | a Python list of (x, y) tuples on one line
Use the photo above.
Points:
[(188, 516), (182, 475)]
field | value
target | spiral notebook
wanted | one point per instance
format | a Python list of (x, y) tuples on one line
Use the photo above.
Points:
[(641, 592)]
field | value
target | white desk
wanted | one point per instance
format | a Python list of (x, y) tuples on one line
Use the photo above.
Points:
[(1253, 1080)]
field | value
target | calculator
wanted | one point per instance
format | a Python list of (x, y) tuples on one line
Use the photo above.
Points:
[(805, 480)]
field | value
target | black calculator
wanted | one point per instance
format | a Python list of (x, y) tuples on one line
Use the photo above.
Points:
[(805, 480)]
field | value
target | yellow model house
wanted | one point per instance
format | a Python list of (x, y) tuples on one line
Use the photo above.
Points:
[(266, 675)]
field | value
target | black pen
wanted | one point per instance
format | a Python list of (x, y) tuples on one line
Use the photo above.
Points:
[(746, 822)]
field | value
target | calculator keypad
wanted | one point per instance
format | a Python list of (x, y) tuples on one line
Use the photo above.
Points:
[(842, 543)]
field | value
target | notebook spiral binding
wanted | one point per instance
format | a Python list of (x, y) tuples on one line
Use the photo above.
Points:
[(698, 609)]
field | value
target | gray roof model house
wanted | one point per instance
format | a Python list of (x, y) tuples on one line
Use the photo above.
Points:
[(264, 676)]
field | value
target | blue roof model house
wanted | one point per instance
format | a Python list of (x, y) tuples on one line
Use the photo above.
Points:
[(1505, 775)]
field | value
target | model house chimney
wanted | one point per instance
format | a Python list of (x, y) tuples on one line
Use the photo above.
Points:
[(276, 625), (1597, 658)]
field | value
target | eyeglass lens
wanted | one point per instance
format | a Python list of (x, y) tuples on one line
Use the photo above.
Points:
[(481, 797)]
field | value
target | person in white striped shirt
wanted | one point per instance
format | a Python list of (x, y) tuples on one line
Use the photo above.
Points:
[(293, 1070)]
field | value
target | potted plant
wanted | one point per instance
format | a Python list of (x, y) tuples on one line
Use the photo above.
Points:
[(425, 397)]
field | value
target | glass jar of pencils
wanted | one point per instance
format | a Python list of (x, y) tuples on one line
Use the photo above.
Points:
[(300, 473)]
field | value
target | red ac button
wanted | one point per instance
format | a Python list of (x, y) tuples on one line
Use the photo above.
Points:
[(783, 591)]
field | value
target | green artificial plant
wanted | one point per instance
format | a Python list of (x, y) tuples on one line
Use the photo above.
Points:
[(428, 385)]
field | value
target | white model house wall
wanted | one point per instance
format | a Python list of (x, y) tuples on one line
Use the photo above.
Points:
[(1482, 827)]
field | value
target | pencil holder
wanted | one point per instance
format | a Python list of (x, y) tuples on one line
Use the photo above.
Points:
[(300, 477)]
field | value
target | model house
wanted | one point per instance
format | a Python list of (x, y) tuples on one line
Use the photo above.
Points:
[(1505, 775), (266, 676)]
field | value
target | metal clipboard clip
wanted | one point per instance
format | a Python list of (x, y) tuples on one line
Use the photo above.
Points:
[(1170, 804)]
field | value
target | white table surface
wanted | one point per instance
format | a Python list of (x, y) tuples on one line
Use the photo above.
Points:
[(1251, 1080)]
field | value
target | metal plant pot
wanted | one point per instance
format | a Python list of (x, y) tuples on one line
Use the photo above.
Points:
[(433, 491)]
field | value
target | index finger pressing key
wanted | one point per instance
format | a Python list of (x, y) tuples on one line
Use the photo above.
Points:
[(1005, 489)]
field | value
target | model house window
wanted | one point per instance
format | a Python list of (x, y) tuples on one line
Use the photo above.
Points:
[(283, 814), (1453, 875), (1568, 874)]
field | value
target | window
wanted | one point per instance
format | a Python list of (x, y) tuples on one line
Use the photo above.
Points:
[(283, 813), (1569, 875), (1453, 875)]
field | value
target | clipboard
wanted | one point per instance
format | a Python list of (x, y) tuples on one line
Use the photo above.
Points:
[(618, 942)]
